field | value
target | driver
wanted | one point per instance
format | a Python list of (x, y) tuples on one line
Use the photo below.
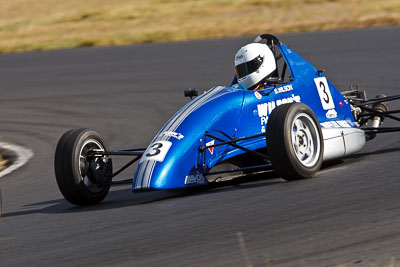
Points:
[(254, 63)]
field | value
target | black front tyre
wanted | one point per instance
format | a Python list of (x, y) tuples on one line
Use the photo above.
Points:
[(294, 141), (82, 177)]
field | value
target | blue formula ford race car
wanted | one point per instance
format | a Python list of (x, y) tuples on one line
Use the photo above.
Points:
[(280, 113)]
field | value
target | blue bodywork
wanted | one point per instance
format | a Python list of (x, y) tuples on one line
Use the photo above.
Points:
[(173, 159)]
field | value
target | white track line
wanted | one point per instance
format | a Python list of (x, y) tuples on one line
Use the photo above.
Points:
[(23, 155)]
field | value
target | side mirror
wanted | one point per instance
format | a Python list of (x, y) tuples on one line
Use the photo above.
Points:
[(191, 92)]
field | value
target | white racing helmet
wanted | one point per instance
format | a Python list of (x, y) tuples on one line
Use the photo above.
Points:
[(254, 63)]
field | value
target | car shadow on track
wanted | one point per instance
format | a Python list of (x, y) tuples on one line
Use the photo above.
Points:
[(356, 157), (375, 152), (121, 196)]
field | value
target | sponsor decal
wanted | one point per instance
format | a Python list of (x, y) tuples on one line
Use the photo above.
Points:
[(341, 104), (257, 95), (240, 56), (265, 109), (178, 136), (335, 124), (283, 89), (263, 129), (211, 149), (196, 178), (243, 79), (331, 114)]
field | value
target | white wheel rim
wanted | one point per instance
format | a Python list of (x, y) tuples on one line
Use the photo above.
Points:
[(89, 144), (305, 140)]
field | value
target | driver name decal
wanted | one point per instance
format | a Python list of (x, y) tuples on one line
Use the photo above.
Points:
[(283, 89), (265, 109)]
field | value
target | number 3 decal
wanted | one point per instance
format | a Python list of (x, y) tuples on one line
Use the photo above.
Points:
[(156, 151), (324, 93)]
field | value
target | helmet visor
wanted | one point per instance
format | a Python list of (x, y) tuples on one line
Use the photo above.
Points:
[(248, 67)]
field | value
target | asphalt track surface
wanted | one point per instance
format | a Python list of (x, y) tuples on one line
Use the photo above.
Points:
[(348, 215)]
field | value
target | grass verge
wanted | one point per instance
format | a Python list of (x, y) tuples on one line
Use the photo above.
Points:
[(27, 25)]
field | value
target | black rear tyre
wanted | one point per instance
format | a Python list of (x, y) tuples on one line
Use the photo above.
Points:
[(82, 178), (294, 141)]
